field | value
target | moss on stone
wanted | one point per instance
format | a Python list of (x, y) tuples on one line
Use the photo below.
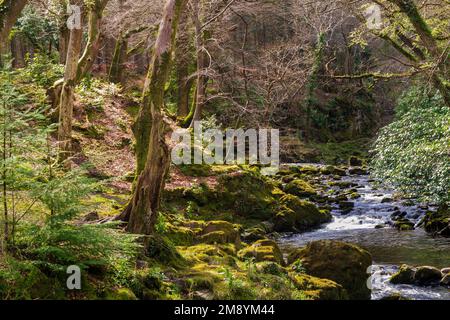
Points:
[(120, 294), (300, 188), (262, 250), (296, 214), (341, 262), (319, 289), (438, 221), (405, 275)]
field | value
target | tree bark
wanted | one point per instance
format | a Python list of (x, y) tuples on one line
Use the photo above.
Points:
[(67, 95), (10, 11), (92, 46), (142, 211), (120, 55), (183, 59), (202, 79)]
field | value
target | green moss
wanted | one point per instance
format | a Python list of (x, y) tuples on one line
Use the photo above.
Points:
[(403, 224), (209, 254), (246, 193), (161, 250), (341, 262), (437, 222), (23, 280), (120, 294), (262, 250), (196, 170), (296, 214), (319, 289), (405, 275), (307, 169), (270, 267), (300, 188), (332, 170), (179, 235)]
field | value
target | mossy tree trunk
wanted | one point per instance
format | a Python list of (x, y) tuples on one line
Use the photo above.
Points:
[(202, 64), (10, 11), (92, 46), (121, 54), (183, 59), (151, 129), (67, 95), (313, 83), (75, 70)]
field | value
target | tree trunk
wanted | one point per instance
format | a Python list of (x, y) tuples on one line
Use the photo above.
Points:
[(183, 58), (10, 11), (64, 37), (92, 45), (121, 54), (202, 78), (76, 69), (67, 95), (119, 58), (142, 211)]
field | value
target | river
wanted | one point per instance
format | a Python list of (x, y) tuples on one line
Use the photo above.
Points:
[(389, 247)]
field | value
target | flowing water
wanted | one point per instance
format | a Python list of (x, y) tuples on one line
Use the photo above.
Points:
[(388, 246)]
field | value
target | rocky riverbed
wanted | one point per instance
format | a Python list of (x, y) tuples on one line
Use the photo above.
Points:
[(387, 227)]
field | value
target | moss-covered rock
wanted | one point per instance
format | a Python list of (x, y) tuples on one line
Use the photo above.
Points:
[(220, 232), (300, 188), (270, 267), (120, 294), (355, 161), (341, 262), (403, 224), (196, 170), (262, 250), (357, 171), (309, 169), (247, 193), (222, 255), (180, 235), (162, 250), (405, 275), (427, 275), (437, 222), (254, 234), (319, 289), (296, 214), (332, 170)]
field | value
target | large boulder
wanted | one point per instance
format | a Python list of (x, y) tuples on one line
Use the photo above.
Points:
[(319, 289), (427, 275), (341, 262), (300, 188), (220, 232), (298, 215), (405, 275), (263, 250)]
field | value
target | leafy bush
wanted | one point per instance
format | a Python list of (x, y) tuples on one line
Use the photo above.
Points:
[(412, 154)]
